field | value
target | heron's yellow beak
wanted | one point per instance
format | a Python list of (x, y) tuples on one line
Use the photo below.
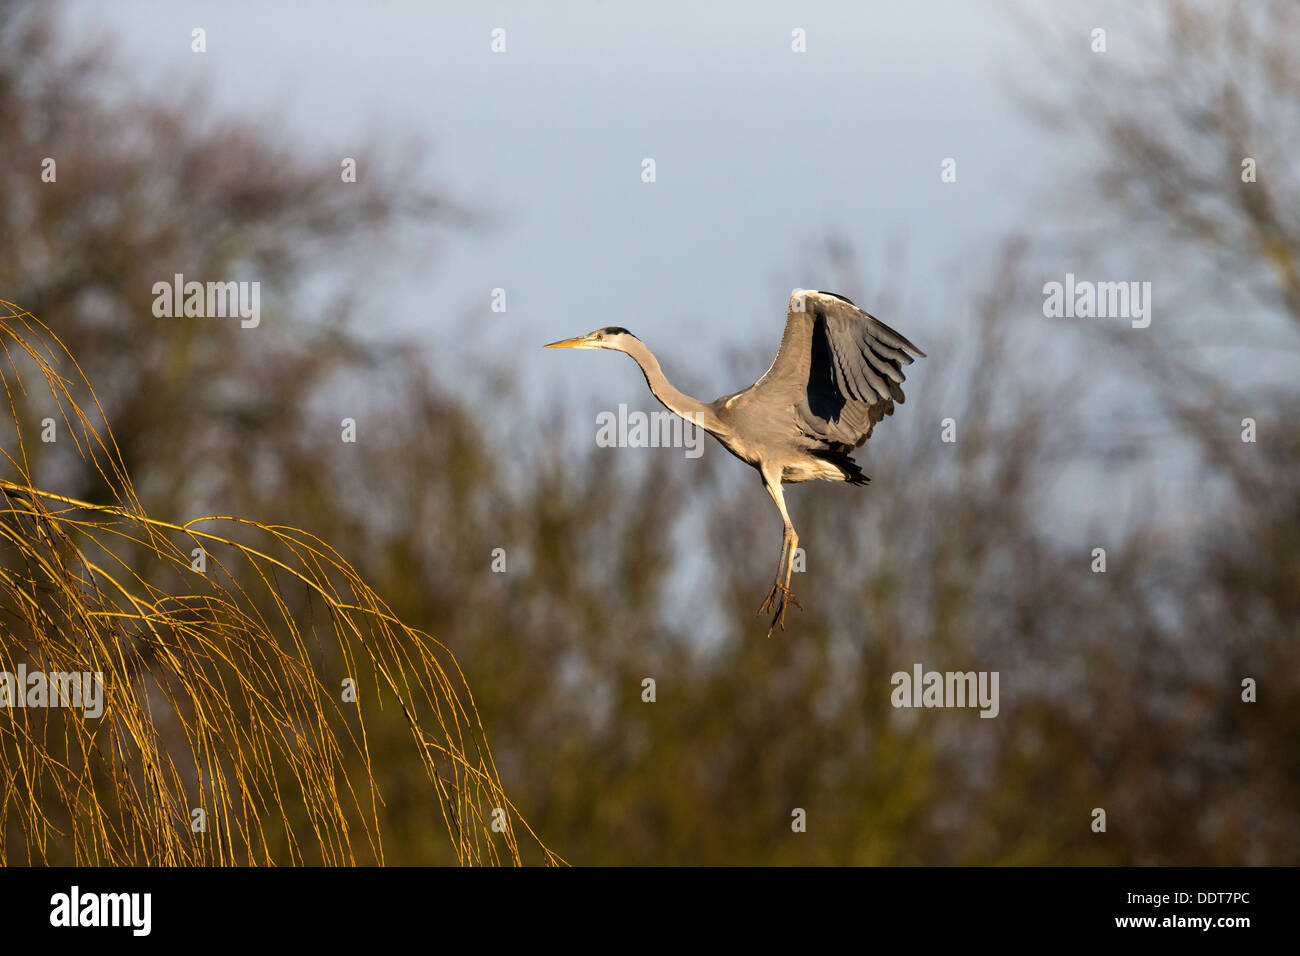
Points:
[(580, 341)]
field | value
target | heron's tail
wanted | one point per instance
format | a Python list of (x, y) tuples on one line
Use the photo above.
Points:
[(847, 466)]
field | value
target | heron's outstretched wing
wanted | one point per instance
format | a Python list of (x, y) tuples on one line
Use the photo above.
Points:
[(841, 368)]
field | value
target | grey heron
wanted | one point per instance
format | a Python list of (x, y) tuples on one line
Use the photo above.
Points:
[(838, 371)]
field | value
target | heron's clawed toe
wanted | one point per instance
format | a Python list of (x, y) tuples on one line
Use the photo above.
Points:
[(781, 597), (775, 598)]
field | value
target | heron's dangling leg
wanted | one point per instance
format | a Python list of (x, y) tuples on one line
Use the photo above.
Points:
[(778, 582), (781, 596), (780, 567)]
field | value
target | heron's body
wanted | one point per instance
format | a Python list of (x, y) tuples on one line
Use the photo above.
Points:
[(837, 373), (747, 434)]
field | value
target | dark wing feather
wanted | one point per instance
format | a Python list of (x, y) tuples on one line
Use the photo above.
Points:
[(841, 368)]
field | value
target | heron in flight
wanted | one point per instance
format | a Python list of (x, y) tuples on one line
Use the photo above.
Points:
[(837, 373)]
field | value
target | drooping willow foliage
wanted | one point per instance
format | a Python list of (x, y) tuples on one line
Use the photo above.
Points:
[(234, 724)]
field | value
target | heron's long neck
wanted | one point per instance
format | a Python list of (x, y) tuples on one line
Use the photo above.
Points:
[(674, 400)]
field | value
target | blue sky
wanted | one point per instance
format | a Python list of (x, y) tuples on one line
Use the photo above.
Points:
[(761, 153)]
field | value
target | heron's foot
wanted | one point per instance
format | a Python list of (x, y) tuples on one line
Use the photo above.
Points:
[(780, 597)]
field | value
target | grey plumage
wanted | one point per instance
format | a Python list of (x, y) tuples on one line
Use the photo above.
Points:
[(837, 373)]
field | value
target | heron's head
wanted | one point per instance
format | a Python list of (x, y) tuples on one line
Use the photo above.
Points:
[(613, 337)]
